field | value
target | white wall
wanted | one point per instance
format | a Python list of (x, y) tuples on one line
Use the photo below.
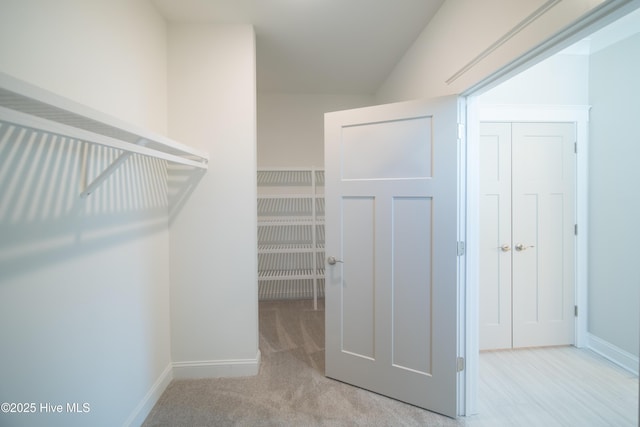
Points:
[(84, 283), (562, 79), (614, 206), (109, 55), (455, 51), (291, 126), (212, 106)]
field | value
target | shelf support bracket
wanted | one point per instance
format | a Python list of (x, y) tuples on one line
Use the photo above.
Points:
[(93, 186)]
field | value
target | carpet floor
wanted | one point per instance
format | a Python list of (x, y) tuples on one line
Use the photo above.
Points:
[(290, 390)]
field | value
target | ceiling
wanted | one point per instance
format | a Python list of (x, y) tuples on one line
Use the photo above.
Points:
[(317, 46)]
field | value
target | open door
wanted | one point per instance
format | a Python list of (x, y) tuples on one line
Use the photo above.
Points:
[(391, 292)]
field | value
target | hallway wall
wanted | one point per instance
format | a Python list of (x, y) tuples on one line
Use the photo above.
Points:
[(614, 208)]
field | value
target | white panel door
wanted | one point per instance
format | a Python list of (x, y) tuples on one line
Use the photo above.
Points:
[(495, 236), (527, 234), (391, 224), (543, 180)]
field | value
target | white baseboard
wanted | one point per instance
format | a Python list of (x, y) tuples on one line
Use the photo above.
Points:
[(189, 370), (145, 406), (615, 354), (217, 368)]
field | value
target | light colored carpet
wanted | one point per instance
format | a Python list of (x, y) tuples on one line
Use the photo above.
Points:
[(290, 390)]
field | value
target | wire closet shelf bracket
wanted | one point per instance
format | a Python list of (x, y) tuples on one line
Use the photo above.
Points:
[(31, 107)]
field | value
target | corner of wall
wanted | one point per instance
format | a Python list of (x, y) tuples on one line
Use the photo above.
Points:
[(615, 354), (147, 403)]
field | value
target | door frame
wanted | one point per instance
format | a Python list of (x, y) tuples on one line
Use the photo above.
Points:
[(599, 17)]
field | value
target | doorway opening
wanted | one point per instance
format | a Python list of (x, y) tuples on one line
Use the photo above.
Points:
[(578, 76)]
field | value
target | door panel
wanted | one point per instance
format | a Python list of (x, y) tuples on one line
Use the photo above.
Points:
[(495, 232), (357, 327), (391, 222), (543, 212), (379, 150), (411, 284)]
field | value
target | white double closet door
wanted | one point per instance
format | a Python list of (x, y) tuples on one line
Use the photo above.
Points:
[(527, 217)]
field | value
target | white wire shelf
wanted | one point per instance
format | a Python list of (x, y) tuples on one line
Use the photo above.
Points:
[(287, 248), (31, 107), (291, 289), (287, 221), (289, 177), (290, 196), (290, 274)]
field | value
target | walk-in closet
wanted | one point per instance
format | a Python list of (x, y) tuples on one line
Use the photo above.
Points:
[(179, 246)]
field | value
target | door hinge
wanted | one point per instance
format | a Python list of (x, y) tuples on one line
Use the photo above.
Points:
[(461, 248), (460, 364), (575, 310), (575, 147), (575, 229)]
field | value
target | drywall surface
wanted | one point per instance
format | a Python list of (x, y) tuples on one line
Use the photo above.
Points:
[(614, 207), (84, 283), (109, 55), (212, 106), (469, 40), (559, 80), (291, 126)]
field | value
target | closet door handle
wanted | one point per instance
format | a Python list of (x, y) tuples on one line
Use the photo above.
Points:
[(333, 260), (520, 247), (505, 248)]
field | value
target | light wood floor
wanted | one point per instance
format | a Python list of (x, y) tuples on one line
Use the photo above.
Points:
[(558, 386), (555, 386)]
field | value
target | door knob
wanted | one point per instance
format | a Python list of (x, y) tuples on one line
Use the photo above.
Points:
[(505, 248), (332, 260), (520, 247)]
